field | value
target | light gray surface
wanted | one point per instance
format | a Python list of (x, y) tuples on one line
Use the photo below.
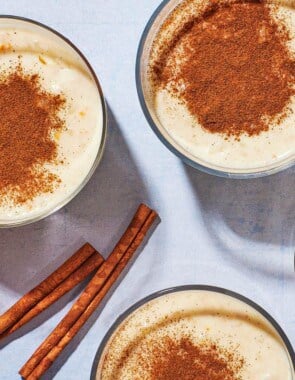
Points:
[(235, 234)]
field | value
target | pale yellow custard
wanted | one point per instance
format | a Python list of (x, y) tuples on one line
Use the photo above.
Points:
[(267, 150), (203, 315), (61, 71)]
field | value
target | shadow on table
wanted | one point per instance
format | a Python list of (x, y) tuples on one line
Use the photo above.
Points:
[(99, 214), (256, 210)]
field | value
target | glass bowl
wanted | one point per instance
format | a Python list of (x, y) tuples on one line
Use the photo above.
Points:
[(145, 98), (69, 52), (270, 323)]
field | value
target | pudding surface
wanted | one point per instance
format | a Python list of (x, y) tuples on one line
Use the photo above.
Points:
[(248, 344), (221, 83), (59, 72)]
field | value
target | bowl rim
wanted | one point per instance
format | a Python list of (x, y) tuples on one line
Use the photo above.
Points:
[(172, 148), (184, 288), (64, 202)]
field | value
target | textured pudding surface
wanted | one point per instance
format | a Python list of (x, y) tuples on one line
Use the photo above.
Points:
[(186, 325), (60, 73), (221, 83)]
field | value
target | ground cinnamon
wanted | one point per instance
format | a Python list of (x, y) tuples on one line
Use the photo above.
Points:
[(231, 67), (182, 359), (29, 118)]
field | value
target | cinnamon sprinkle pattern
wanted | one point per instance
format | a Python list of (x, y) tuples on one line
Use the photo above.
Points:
[(230, 65), (168, 357), (29, 118), (182, 359)]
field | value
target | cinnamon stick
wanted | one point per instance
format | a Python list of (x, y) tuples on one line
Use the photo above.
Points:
[(29, 300), (92, 263), (56, 350), (92, 289)]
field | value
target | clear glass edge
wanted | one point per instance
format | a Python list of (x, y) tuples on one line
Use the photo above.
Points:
[(26, 221), (185, 159), (184, 288)]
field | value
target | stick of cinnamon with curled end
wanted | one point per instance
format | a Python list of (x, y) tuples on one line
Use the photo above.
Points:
[(29, 300), (92, 263), (56, 350), (92, 295)]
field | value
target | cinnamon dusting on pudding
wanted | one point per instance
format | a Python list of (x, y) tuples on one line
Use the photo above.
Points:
[(230, 65), (29, 118), (182, 359), (194, 335)]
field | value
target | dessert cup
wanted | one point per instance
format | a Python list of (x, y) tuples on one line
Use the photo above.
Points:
[(71, 52), (103, 348), (146, 101)]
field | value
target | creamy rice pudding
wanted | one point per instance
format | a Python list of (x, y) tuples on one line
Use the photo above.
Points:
[(195, 334), (53, 128), (218, 82)]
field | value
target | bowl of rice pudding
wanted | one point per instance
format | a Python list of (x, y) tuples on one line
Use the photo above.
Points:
[(53, 123), (216, 82), (195, 332)]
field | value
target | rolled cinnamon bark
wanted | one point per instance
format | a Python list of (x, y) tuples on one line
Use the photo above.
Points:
[(57, 349), (92, 263), (92, 289), (29, 300)]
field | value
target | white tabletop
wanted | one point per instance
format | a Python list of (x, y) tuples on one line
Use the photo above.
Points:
[(234, 234)]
